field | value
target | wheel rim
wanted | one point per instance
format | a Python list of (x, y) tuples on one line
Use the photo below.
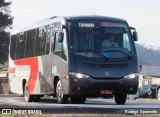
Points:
[(26, 94), (59, 91)]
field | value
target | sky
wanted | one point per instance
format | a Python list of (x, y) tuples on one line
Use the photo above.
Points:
[(144, 15)]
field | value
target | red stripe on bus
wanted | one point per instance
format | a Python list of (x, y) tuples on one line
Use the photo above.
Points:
[(33, 63), (12, 70)]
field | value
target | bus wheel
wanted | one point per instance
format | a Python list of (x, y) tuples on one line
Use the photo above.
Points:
[(120, 98), (79, 100), (61, 98), (27, 96), (158, 93)]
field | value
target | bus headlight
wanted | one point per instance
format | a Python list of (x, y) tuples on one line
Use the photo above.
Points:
[(78, 75), (132, 76)]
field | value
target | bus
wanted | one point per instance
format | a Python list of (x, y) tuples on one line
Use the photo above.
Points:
[(64, 57)]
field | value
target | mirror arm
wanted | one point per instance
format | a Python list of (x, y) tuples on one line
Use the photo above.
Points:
[(132, 28), (63, 27)]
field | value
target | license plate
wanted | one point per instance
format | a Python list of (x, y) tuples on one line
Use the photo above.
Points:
[(104, 92)]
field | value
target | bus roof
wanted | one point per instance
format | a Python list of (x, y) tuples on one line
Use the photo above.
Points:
[(95, 17), (69, 18)]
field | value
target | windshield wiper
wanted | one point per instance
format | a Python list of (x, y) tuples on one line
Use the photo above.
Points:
[(128, 55), (83, 50)]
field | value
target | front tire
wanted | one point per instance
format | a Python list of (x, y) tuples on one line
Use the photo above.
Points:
[(120, 98), (61, 97), (27, 96)]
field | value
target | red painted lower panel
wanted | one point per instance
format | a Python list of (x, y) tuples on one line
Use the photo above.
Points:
[(33, 63)]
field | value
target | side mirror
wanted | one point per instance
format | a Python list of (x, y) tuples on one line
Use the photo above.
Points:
[(60, 36), (140, 68), (135, 36)]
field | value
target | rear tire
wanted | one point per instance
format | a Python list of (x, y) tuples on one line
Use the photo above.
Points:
[(61, 97), (120, 98), (27, 96)]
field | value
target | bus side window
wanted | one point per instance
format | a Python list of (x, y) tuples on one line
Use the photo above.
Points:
[(13, 46), (53, 41), (41, 42), (30, 43), (57, 46), (20, 46), (48, 38)]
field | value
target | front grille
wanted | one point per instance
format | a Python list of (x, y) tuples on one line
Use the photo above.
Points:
[(106, 78)]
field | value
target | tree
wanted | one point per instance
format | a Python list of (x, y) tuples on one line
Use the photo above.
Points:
[(6, 21)]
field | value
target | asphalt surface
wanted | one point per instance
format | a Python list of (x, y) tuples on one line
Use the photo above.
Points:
[(92, 106)]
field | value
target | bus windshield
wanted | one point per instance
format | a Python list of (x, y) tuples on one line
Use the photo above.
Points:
[(100, 39)]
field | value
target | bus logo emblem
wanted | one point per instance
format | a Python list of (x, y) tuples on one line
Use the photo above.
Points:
[(107, 73)]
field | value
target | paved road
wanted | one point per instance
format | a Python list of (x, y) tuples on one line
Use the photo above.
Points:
[(92, 106)]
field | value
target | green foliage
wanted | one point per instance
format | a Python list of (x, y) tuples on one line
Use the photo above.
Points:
[(4, 4), (6, 21)]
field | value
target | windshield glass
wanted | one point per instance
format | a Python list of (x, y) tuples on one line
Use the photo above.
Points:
[(100, 39)]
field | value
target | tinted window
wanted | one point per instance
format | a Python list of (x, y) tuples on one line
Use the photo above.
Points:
[(20, 46), (101, 39), (48, 38), (58, 45), (30, 43), (41, 42), (83, 41), (13, 46)]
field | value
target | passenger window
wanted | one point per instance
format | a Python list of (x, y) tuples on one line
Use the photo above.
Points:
[(30, 43), (53, 41), (41, 31), (41, 42), (20, 46), (48, 38), (13, 46), (58, 45)]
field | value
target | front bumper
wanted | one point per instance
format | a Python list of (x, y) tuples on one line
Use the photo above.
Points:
[(92, 87)]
